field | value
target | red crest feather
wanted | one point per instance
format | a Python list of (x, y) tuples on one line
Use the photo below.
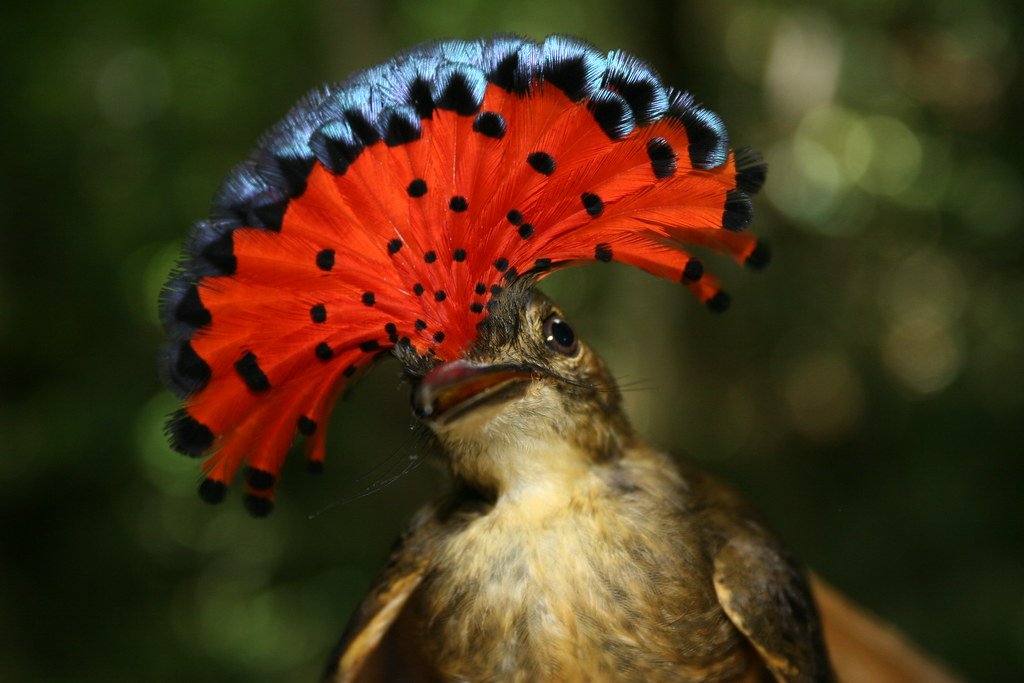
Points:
[(364, 222)]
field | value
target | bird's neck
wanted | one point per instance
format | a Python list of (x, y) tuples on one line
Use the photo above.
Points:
[(524, 469)]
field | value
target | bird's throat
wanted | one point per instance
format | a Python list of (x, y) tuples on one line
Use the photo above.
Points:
[(545, 471)]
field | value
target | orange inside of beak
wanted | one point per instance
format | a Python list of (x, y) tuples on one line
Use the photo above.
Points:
[(458, 382)]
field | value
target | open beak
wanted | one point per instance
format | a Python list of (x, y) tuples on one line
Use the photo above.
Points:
[(454, 388)]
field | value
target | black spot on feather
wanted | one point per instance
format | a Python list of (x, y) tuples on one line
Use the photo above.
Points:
[(306, 426), (257, 506), (458, 96), (294, 171), (603, 252), (592, 203), (394, 245), (458, 204), (760, 257), (709, 141), (219, 254), (662, 156), (612, 113), (248, 368), (318, 313), (403, 126), (267, 216), (417, 188), (212, 491), (324, 351), (421, 99), (335, 146), (362, 127), (693, 271), (188, 435), (719, 303), (541, 162), (739, 212), (258, 479), (509, 76), (189, 372), (569, 75), (751, 170), (325, 259), (639, 86), (489, 123), (190, 309)]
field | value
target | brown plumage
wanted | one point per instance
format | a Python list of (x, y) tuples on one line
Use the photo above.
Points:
[(571, 549)]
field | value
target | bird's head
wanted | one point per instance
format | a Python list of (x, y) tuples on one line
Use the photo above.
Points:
[(528, 400)]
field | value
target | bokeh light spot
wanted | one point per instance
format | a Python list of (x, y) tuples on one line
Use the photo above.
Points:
[(824, 396), (926, 283), (749, 39), (804, 63), (896, 157), (922, 354)]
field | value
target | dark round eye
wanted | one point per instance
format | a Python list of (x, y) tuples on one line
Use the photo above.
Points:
[(559, 335)]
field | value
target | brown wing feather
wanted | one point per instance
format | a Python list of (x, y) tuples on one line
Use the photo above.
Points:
[(769, 601)]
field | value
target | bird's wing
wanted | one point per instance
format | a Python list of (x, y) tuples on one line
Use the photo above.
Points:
[(378, 644), (767, 597)]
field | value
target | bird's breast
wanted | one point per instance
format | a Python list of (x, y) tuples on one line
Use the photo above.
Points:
[(598, 586)]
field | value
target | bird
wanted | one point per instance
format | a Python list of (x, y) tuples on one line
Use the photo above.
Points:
[(572, 549), (411, 210)]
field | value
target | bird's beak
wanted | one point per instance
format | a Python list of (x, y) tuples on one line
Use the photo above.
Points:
[(452, 389)]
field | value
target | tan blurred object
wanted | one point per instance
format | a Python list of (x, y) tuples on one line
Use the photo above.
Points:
[(864, 649)]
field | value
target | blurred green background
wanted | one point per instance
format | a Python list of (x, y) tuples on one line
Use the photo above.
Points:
[(866, 390)]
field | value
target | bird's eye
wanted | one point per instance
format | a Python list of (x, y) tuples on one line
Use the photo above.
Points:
[(559, 335)]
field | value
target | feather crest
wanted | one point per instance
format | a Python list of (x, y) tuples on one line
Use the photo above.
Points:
[(387, 212)]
